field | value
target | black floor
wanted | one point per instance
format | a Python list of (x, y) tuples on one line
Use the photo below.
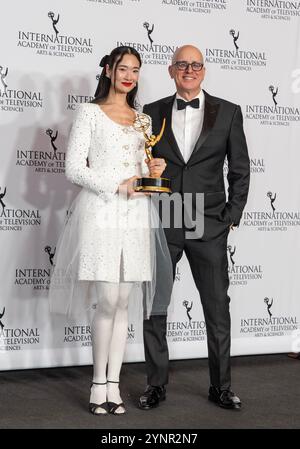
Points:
[(268, 385)]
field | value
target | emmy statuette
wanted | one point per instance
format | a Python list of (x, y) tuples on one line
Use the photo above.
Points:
[(142, 124)]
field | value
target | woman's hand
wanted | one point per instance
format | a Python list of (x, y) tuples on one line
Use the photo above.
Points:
[(156, 166), (127, 188)]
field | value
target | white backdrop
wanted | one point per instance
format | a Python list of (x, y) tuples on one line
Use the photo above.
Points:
[(49, 64)]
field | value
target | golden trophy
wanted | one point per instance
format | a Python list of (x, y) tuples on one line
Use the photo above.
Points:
[(142, 124)]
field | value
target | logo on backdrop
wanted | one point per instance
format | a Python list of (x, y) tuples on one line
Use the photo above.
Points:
[(273, 113), (43, 161), (53, 138), (3, 74), (80, 335), (1, 316), (196, 7), (236, 58), (2, 195), (74, 100), (187, 329), (151, 53), (36, 278), (269, 324), (50, 253), (149, 32), (54, 21), (269, 303), (272, 198), (235, 37), (15, 100), (242, 274), (14, 339), (231, 252), (188, 308), (14, 219), (274, 93), (257, 165), (272, 218), (274, 10), (55, 43)]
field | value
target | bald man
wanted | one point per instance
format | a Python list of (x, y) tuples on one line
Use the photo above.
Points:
[(201, 131)]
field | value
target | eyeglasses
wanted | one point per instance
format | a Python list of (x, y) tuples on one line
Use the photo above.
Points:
[(184, 65)]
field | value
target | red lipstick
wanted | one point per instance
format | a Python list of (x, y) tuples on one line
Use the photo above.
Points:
[(126, 84)]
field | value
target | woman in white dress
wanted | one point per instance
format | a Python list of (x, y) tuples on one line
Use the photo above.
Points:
[(112, 244)]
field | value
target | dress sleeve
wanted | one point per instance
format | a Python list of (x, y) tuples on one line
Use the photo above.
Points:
[(103, 184)]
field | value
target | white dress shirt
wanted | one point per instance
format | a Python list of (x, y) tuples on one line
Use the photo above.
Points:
[(187, 125)]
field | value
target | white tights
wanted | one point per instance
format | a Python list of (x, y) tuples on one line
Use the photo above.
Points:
[(109, 335)]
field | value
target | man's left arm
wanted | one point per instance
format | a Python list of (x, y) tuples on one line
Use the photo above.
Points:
[(238, 168)]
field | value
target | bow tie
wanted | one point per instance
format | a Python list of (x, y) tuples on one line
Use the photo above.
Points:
[(181, 104)]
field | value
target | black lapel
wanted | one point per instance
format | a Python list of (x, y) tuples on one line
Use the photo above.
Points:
[(210, 114), (166, 112)]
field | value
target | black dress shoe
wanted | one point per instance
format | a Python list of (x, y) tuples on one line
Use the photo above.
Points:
[(224, 398), (152, 397)]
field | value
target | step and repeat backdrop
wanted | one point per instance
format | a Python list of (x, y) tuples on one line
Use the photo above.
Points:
[(49, 63)]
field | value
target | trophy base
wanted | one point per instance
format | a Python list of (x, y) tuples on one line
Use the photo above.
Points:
[(150, 185)]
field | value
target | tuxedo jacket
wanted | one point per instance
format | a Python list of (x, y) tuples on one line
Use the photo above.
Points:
[(222, 136)]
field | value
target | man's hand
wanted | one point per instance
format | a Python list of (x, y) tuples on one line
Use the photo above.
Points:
[(156, 166)]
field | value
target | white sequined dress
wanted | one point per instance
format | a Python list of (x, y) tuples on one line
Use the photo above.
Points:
[(107, 237)]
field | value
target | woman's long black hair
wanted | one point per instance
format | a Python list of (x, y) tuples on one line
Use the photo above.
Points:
[(104, 83)]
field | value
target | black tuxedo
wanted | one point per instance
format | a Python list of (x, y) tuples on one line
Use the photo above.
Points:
[(222, 135)]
